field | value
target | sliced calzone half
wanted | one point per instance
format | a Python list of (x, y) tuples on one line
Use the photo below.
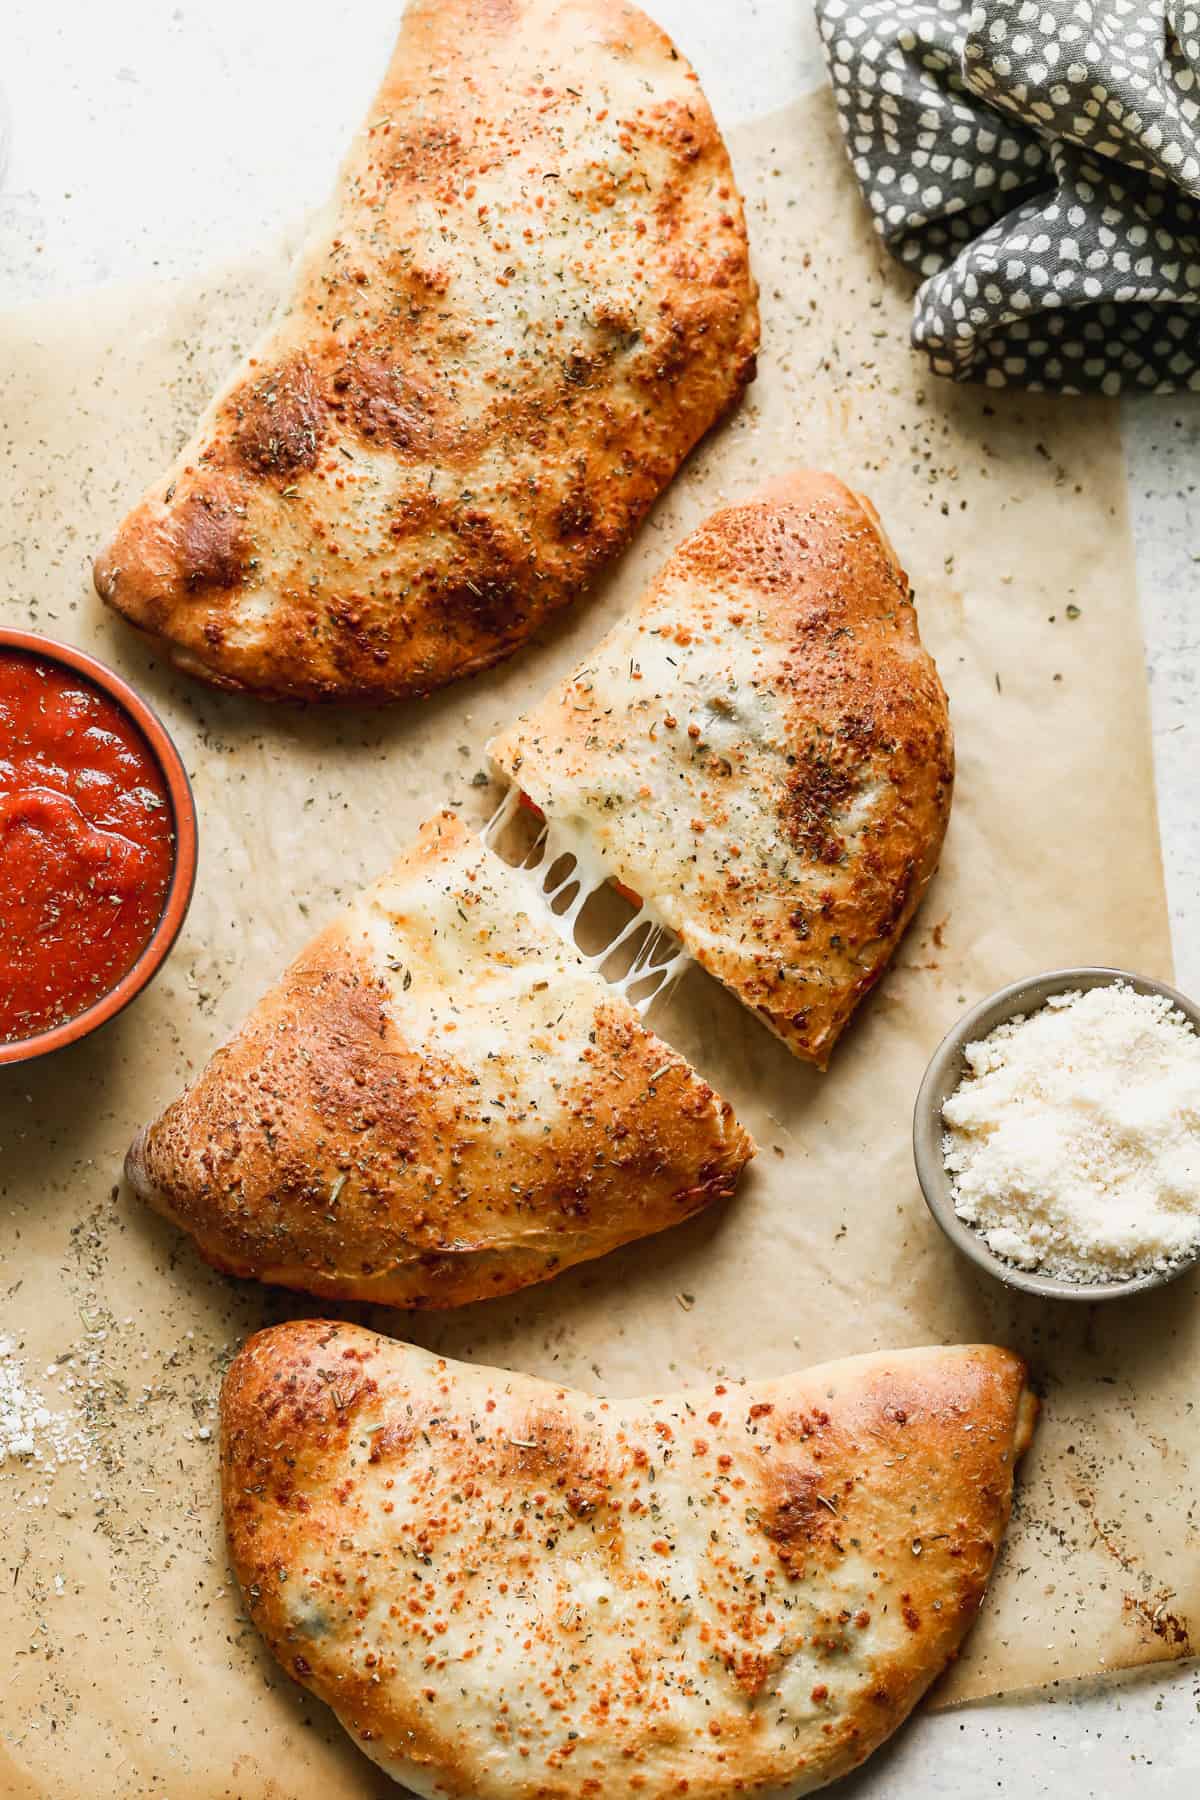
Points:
[(506, 1589), (761, 752), (530, 297), (437, 1103)]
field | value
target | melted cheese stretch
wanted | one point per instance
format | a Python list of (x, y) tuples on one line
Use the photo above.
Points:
[(656, 959)]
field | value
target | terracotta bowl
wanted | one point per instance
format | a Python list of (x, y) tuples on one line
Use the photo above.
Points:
[(183, 871), (947, 1068)]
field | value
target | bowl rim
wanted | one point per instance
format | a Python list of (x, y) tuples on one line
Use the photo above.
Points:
[(942, 1076), (183, 866)]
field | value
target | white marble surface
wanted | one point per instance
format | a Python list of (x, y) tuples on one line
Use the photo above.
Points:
[(148, 138)]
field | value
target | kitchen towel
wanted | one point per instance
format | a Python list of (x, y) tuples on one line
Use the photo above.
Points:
[(1037, 162)]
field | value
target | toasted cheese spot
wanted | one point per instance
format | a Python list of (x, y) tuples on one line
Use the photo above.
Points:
[(818, 794), (277, 420), (796, 1514), (209, 537), (388, 403)]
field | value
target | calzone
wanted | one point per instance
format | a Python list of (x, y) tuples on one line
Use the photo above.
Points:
[(438, 1102), (508, 1590), (761, 752), (529, 298)]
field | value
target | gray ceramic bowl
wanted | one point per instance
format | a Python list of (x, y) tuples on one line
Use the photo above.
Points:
[(943, 1075)]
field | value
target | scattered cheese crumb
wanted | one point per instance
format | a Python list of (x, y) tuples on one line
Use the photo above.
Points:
[(1073, 1145), (28, 1429)]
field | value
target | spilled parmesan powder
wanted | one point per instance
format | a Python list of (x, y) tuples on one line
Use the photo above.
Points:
[(1073, 1145), (29, 1429)]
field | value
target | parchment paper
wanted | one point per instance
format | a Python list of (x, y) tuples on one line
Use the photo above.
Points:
[(131, 1668)]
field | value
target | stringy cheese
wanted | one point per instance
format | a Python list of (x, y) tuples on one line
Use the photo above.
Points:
[(564, 870), (1074, 1142)]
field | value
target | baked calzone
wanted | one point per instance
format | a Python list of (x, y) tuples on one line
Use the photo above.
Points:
[(761, 752), (438, 1102), (529, 298), (508, 1590)]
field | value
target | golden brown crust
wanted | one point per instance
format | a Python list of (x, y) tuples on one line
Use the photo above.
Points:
[(531, 300), (762, 751), (511, 1591), (437, 1103)]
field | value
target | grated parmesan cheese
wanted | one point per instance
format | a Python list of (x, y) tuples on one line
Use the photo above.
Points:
[(1073, 1145)]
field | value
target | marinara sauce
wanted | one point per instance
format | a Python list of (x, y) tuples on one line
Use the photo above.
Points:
[(86, 844)]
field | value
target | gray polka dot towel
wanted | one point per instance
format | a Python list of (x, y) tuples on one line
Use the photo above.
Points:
[(1038, 163)]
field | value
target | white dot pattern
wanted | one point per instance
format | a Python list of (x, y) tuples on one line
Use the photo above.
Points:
[(1037, 162)]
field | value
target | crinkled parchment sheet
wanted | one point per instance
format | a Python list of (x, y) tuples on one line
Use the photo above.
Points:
[(130, 1666)]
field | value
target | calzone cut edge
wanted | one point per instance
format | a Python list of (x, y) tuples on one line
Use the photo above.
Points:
[(508, 1590), (530, 297)]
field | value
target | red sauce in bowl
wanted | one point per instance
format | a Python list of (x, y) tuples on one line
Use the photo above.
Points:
[(87, 844)]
